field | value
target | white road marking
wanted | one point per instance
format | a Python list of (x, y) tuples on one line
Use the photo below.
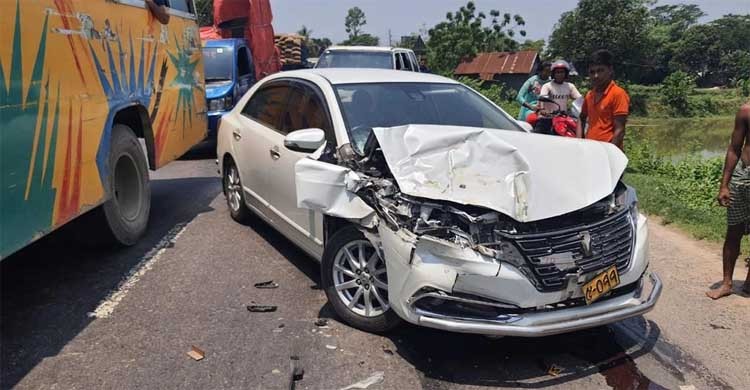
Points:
[(107, 306)]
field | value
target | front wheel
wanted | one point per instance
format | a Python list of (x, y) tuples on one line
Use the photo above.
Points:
[(235, 194), (356, 283)]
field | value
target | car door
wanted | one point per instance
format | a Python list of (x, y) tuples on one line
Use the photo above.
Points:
[(245, 71), (254, 139), (306, 108)]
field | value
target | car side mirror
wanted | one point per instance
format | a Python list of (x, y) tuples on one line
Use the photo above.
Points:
[(526, 126), (305, 140)]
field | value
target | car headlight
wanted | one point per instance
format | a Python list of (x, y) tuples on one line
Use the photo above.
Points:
[(220, 104)]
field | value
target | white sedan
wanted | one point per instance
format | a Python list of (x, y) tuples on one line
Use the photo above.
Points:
[(424, 201)]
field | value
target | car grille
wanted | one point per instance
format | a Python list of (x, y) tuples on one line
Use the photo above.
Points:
[(611, 242)]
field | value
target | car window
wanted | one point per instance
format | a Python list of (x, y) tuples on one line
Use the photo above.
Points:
[(266, 105), (243, 62), (305, 110), (355, 59), (181, 5), (414, 62), (406, 61), (399, 62), (366, 106)]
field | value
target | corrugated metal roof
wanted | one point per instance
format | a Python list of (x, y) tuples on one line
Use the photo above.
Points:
[(487, 65)]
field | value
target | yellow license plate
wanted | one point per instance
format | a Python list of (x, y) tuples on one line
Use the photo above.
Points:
[(601, 284)]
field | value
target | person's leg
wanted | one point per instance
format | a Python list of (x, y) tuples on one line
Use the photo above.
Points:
[(730, 255)]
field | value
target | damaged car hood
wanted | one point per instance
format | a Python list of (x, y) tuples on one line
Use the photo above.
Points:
[(526, 176)]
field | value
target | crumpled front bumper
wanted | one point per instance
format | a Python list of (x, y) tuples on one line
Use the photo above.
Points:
[(555, 321), (509, 304)]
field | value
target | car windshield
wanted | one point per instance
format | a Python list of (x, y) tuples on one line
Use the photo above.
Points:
[(355, 59), (218, 62), (394, 104)]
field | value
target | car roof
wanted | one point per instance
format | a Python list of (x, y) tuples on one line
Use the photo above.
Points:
[(365, 48), (363, 76)]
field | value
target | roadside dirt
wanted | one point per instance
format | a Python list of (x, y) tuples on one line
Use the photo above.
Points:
[(715, 333)]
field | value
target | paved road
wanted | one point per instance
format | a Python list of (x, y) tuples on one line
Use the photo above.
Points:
[(77, 317)]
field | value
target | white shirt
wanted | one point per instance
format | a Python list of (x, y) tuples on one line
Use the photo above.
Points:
[(560, 93)]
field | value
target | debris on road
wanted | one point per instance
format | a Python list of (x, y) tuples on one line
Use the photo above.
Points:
[(331, 347), (275, 371), (321, 322), (279, 329), (268, 284), (196, 353), (297, 372), (388, 351), (554, 370), (261, 308), (375, 378)]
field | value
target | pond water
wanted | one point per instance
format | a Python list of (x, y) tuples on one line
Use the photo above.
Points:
[(677, 138)]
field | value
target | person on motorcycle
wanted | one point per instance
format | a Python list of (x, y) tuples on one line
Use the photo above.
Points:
[(529, 92), (560, 91)]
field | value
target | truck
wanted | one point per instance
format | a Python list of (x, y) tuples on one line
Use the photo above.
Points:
[(85, 87), (229, 74)]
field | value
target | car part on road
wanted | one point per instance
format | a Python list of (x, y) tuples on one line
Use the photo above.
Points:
[(261, 308), (196, 353), (320, 322), (355, 281), (296, 372), (269, 284), (375, 378), (235, 194)]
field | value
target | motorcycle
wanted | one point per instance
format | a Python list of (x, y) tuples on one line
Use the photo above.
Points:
[(564, 124)]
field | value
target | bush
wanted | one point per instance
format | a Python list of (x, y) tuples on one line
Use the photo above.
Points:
[(674, 93), (499, 94), (744, 87)]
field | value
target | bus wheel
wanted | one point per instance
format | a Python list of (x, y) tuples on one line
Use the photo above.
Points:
[(127, 209)]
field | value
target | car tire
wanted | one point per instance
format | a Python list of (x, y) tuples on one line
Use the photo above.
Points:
[(234, 193), (350, 304), (125, 214)]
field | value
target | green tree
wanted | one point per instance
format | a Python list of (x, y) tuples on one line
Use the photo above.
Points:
[(305, 32), (715, 52), (465, 33), (674, 93), (529, 44), (621, 26), (355, 19), (668, 26), (317, 45), (362, 39)]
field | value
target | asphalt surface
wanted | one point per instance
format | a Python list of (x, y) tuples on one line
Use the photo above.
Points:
[(75, 316)]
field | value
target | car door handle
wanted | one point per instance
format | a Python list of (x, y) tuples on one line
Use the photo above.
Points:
[(275, 154), (237, 134)]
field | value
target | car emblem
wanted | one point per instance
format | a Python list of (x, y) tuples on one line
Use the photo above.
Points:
[(586, 244)]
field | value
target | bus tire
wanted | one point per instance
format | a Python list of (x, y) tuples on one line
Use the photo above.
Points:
[(127, 209)]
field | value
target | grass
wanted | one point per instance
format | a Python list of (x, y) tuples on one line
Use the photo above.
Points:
[(681, 193)]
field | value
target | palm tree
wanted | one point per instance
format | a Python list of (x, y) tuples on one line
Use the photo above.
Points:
[(305, 32)]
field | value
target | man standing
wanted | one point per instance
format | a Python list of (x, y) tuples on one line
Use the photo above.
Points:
[(735, 195), (529, 92), (606, 105), (159, 9)]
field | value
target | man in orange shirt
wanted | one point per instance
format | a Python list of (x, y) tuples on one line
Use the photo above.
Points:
[(606, 105)]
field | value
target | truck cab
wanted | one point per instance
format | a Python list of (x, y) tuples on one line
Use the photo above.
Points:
[(229, 74)]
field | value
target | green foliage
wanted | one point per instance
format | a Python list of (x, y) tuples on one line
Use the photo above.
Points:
[(620, 26), (744, 87), (682, 192), (465, 33), (363, 39), (537, 45), (674, 92), (715, 52), (317, 45), (355, 19), (500, 95)]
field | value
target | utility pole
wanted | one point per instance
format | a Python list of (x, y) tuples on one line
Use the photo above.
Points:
[(390, 42)]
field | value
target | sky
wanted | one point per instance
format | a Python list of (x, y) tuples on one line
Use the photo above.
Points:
[(402, 17)]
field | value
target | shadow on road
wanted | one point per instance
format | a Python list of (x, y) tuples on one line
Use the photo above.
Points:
[(48, 288), (204, 150), (445, 357)]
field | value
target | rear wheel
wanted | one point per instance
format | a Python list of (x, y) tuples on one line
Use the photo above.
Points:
[(355, 282), (235, 194), (125, 213)]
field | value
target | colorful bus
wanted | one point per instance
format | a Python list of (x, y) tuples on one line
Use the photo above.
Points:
[(93, 93)]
